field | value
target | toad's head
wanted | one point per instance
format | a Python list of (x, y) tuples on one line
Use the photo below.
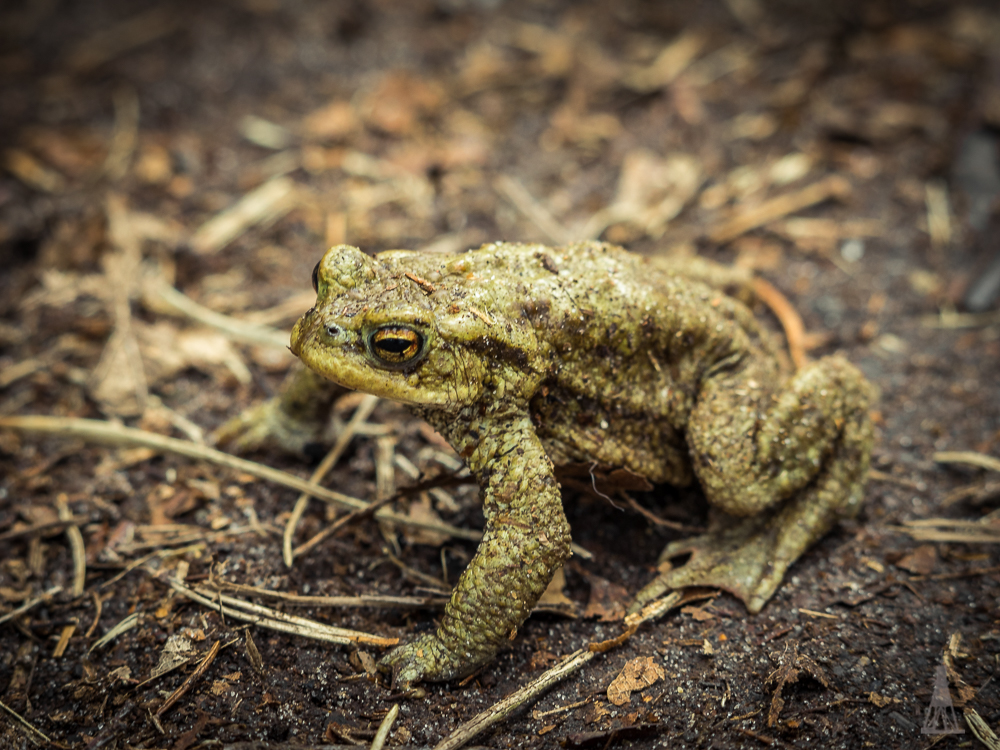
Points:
[(415, 328)]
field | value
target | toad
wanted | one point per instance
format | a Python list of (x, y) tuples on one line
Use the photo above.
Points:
[(526, 357)]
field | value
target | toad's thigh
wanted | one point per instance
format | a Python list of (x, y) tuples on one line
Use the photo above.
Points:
[(752, 447)]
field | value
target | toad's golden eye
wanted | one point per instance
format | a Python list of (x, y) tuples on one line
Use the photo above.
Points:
[(395, 345), (315, 278)]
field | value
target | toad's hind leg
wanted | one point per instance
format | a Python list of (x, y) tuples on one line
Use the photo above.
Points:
[(804, 450)]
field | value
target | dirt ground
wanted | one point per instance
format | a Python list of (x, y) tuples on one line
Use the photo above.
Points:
[(847, 152)]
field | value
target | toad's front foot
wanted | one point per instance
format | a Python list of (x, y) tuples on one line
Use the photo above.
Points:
[(290, 422), (425, 660), (269, 426)]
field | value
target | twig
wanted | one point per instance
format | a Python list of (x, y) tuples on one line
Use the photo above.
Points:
[(951, 319), (525, 202), (981, 729), (957, 576), (25, 723), (655, 519), (384, 728), (502, 709), (352, 517), (30, 603), (186, 685), (880, 476), (833, 186), (560, 671), (114, 434), (280, 621), (76, 546), (41, 529), (929, 530), (361, 413), (536, 715), (968, 457), (788, 316), (263, 205), (233, 328), (125, 134), (373, 601), (938, 213), (125, 625), (113, 41)]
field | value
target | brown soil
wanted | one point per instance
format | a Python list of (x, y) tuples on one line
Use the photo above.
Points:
[(441, 125)]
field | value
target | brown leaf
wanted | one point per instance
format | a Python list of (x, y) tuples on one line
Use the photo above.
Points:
[(788, 672), (637, 674), (608, 601), (553, 595), (399, 100), (332, 121), (697, 613), (921, 561)]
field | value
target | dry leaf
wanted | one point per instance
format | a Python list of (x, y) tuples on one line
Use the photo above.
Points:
[(553, 595), (651, 191), (921, 561), (332, 121), (399, 99), (608, 601), (421, 510), (697, 613), (637, 674), (882, 700), (177, 650)]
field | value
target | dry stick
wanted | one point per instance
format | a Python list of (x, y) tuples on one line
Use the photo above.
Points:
[(352, 517), (114, 41), (384, 728), (186, 685), (262, 205), (98, 607), (980, 728), (280, 621), (833, 186), (950, 319), (880, 476), (957, 576), (373, 601), (41, 529), (233, 328), (788, 316), (502, 709), (76, 546), (968, 457), (125, 135), (525, 202), (361, 413), (30, 603), (114, 434), (25, 723)]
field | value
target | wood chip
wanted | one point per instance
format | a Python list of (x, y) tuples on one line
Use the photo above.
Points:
[(833, 186)]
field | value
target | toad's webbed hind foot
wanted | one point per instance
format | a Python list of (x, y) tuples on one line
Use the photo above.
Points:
[(749, 555), (736, 558)]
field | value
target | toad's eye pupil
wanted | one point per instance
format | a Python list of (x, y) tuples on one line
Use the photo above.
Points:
[(315, 278), (396, 345)]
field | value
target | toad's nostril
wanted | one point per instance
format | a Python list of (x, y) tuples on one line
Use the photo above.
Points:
[(332, 330)]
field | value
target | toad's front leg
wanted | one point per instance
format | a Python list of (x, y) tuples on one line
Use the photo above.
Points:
[(526, 539)]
